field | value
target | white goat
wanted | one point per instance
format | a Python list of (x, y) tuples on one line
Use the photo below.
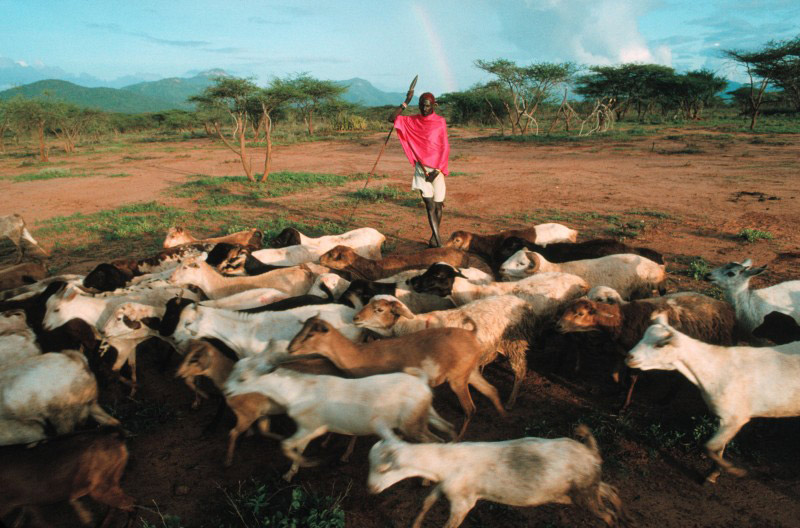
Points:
[(366, 241), (247, 299), (505, 326), (17, 340), (737, 383), (250, 334), (629, 274), (523, 472), (329, 284), (546, 291), (55, 388), (364, 406), (752, 305), (292, 281)]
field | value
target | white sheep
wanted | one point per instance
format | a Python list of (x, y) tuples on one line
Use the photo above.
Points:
[(631, 275), (56, 388), (737, 383), (505, 326), (523, 472), (752, 305), (363, 406)]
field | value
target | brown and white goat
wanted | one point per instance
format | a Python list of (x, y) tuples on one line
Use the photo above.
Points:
[(344, 258), (177, 236), (449, 355)]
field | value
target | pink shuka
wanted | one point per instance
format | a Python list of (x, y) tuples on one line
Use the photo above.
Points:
[(424, 139)]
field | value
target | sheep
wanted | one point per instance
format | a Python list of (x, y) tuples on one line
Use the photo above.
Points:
[(737, 383), (700, 316), (365, 241), (506, 324), (294, 281), (21, 274), (445, 354), (13, 227), (752, 305), (177, 236), (546, 292), (486, 246), (345, 259), (604, 294), (565, 252), (53, 389), (363, 406), (65, 469), (633, 276), (248, 334), (523, 472)]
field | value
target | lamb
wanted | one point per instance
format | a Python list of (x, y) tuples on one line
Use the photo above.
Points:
[(445, 354), (248, 334), (13, 227), (752, 305), (177, 236), (486, 246), (345, 259), (522, 472), (737, 383), (293, 281), (506, 324), (53, 389), (365, 241), (21, 274), (65, 469), (701, 317), (363, 406), (633, 276), (546, 292)]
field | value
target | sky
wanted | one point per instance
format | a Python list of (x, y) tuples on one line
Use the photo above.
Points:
[(386, 42)]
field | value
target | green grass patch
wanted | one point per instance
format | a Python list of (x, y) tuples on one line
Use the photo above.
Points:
[(49, 174), (382, 194), (118, 175), (138, 158), (698, 268), (754, 235), (653, 214)]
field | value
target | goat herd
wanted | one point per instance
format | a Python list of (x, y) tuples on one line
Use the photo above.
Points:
[(343, 341)]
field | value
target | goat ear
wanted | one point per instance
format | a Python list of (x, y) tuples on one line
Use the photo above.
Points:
[(70, 293), (747, 263), (401, 310), (659, 318), (459, 274), (752, 272)]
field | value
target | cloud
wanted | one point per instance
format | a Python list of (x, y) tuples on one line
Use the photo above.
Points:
[(115, 28)]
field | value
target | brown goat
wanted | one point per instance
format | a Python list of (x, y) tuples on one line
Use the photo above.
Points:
[(445, 354), (177, 236), (344, 258), (697, 315), (21, 274), (65, 469), (486, 245)]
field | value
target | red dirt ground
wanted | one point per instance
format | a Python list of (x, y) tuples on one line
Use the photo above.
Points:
[(710, 196)]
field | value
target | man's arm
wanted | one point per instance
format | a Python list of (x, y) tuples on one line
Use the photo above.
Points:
[(402, 107)]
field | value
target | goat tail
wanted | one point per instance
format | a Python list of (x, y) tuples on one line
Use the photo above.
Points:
[(469, 320), (583, 432)]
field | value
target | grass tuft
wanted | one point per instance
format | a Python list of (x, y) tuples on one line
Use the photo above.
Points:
[(754, 235)]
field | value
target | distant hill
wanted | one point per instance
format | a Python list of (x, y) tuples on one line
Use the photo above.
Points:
[(176, 90), (108, 99), (362, 92)]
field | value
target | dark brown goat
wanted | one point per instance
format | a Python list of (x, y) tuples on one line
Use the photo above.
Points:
[(344, 258), (65, 469), (697, 315)]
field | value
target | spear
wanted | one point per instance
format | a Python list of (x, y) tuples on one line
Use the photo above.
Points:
[(410, 88)]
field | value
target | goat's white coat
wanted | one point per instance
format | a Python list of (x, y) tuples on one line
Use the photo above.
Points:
[(292, 281)]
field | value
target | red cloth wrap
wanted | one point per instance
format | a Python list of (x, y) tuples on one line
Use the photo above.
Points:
[(424, 139)]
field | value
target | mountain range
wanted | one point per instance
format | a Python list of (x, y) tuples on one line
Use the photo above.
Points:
[(154, 95)]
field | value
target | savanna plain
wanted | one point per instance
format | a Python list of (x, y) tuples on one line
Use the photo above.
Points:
[(702, 195)]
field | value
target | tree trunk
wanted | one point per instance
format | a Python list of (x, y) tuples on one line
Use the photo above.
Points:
[(268, 140), (311, 122), (43, 155), (248, 169)]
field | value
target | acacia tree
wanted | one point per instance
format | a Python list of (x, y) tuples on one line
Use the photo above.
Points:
[(527, 87), (308, 93), (34, 115), (627, 86), (70, 121), (270, 99), (689, 93), (777, 64), (231, 94)]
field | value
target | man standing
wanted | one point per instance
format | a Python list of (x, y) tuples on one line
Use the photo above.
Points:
[(424, 140)]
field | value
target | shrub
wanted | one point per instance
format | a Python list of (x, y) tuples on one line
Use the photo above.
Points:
[(752, 235)]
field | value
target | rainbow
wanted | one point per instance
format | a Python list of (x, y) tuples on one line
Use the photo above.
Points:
[(435, 43)]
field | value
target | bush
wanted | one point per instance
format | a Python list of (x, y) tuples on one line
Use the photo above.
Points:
[(753, 235)]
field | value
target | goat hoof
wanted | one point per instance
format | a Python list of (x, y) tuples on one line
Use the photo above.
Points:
[(713, 476)]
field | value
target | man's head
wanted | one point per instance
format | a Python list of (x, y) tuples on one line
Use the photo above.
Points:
[(427, 102)]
